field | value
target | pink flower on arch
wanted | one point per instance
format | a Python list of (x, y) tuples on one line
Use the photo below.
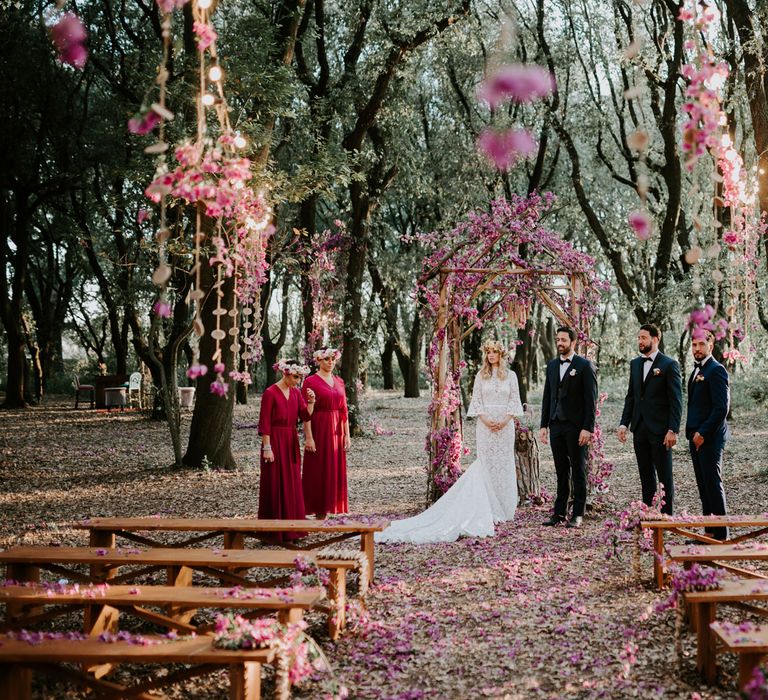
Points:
[(504, 148), (144, 122), (516, 82), (219, 388), (68, 36), (641, 224), (162, 309)]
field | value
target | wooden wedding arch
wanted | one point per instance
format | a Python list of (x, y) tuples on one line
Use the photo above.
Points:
[(499, 266)]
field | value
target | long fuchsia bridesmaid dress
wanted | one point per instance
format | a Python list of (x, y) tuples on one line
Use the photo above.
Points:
[(325, 471), (280, 494)]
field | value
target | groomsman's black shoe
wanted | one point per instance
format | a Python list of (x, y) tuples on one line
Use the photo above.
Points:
[(575, 522), (554, 520)]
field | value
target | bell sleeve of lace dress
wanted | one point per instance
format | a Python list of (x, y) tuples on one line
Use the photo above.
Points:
[(514, 405), (476, 404)]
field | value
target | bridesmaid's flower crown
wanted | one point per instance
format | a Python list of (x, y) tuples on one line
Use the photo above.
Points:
[(326, 354), (285, 368)]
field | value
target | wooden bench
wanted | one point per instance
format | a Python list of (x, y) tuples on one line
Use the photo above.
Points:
[(109, 601), (25, 563), (722, 556), (103, 532), (750, 645), (18, 659), (702, 606), (687, 527)]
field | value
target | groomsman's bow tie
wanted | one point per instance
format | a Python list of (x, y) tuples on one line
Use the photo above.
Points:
[(565, 362), (698, 365), (647, 359)]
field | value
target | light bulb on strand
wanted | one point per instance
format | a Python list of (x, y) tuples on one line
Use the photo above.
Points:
[(215, 73), (207, 99), (240, 142), (204, 4)]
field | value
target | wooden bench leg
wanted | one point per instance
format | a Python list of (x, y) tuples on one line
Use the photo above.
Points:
[(290, 616), (366, 546), (337, 596), (245, 681), (104, 539), (658, 558), (706, 658), (234, 540), (179, 576), (747, 665), (25, 573), (15, 682)]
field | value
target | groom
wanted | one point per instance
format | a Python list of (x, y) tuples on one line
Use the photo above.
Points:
[(652, 410), (568, 413)]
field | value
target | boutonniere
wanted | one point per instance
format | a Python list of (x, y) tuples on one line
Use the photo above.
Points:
[(572, 372), (699, 378), (656, 372)]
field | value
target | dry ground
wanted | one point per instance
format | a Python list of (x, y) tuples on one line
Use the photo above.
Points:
[(532, 613)]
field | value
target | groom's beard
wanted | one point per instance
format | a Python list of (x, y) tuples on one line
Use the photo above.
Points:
[(645, 349)]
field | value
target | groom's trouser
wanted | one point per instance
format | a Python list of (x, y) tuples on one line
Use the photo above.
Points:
[(570, 463), (653, 459), (708, 467)]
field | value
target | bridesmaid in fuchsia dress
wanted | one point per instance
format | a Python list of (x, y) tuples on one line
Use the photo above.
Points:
[(326, 440), (282, 405)]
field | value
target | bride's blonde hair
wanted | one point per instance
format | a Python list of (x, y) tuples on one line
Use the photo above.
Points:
[(501, 369)]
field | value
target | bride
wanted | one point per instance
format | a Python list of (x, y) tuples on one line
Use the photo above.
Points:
[(486, 493)]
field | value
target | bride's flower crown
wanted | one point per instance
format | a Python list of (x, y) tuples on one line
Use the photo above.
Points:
[(494, 346), (326, 354), (285, 368)]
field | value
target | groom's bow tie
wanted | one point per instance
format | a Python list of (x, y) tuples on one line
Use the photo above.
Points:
[(698, 365), (647, 359), (566, 361)]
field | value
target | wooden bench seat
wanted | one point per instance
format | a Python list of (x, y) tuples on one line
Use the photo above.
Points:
[(702, 606), (104, 603), (18, 658), (750, 645), (233, 531), (690, 528), (722, 555), (24, 564)]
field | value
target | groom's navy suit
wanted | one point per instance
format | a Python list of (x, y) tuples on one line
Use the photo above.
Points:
[(653, 406), (708, 401), (568, 407)]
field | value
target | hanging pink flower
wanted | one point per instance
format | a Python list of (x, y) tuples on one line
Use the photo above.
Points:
[(641, 224), (143, 123), (68, 36), (206, 35), (219, 368), (196, 371), (504, 148), (170, 5), (732, 238), (162, 309), (143, 215), (219, 388), (516, 82)]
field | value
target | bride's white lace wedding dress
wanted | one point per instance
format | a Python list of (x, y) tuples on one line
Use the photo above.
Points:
[(486, 493)]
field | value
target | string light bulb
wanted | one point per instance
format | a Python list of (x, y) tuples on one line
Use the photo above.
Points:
[(240, 142), (215, 73), (207, 99), (204, 4)]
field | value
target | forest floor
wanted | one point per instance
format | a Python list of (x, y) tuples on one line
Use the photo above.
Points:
[(531, 613)]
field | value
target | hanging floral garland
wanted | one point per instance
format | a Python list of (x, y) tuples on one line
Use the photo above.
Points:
[(232, 219)]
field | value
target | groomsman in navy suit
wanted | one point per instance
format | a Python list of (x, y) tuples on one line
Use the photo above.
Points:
[(652, 411), (568, 413), (705, 426)]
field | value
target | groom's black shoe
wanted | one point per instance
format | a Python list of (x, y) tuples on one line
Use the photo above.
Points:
[(554, 520), (575, 522)]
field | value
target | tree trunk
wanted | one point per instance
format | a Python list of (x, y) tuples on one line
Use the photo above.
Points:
[(211, 430), (308, 226), (527, 466), (387, 368), (411, 377), (353, 299), (14, 382)]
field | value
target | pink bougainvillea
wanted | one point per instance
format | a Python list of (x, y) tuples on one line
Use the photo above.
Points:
[(69, 36), (517, 82), (504, 148), (640, 222)]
